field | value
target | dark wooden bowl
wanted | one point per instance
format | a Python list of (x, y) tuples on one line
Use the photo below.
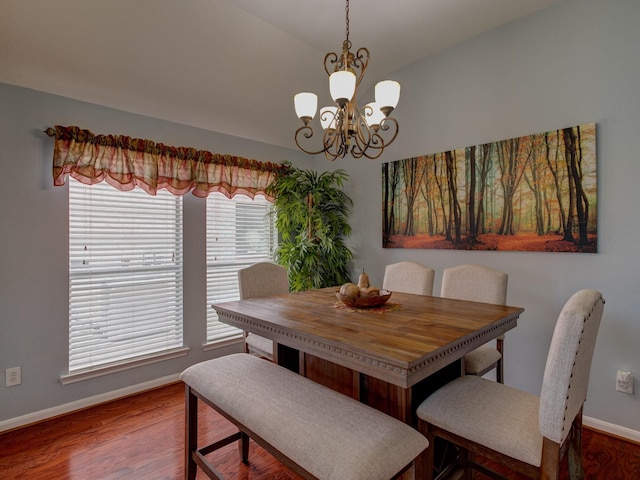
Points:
[(365, 302)]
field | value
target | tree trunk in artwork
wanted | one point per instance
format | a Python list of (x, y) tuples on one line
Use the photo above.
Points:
[(391, 184), (427, 194), (454, 204), (485, 166), (385, 205), (411, 187), (584, 216), (554, 167), (575, 180), (568, 227), (509, 161), (472, 235), (534, 183), (547, 200), (445, 220)]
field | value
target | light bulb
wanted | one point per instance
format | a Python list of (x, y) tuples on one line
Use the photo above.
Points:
[(387, 93), (342, 85), (306, 104)]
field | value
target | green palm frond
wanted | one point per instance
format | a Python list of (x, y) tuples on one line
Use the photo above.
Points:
[(312, 217)]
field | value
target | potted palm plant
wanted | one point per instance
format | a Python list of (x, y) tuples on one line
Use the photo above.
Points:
[(312, 219)]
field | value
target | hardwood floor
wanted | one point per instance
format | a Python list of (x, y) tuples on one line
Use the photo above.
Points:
[(142, 437)]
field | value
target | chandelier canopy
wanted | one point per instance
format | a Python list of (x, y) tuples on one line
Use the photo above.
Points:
[(347, 128)]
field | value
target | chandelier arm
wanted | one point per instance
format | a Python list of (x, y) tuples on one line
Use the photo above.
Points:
[(307, 132), (386, 125), (342, 143), (368, 152), (332, 141), (360, 62), (357, 147), (361, 137), (330, 62), (370, 143), (378, 143)]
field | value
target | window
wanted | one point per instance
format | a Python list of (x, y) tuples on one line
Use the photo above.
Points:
[(125, 276), (240, 232)]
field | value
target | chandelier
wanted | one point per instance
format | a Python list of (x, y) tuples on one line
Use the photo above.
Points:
[(347, 128)]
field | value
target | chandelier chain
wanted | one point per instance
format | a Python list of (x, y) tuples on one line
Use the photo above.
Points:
[(347, 21)]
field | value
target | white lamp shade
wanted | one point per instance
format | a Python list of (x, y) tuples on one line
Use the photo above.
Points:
[(306, 104), (387, 93), (342, 84), (328, 117), (373, 114)]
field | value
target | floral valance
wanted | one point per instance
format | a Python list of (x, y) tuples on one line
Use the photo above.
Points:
[(126, 162)]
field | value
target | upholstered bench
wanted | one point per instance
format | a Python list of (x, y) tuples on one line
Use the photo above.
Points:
[(317, 432)]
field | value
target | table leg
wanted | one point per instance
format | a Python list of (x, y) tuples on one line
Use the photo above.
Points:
[(288, 357)]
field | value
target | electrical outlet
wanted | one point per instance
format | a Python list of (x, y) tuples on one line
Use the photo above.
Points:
[(13, 376), (624, 382)]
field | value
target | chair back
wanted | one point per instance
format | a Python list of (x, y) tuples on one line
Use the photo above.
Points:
[(408, 277), (566, 374), (475, 283), (262, 279)]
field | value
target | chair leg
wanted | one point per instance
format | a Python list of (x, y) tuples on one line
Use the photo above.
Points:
[(575, 449), (244, 341), (500, 365), (191, 434), (463, 455), (424, 464), (550, 466)]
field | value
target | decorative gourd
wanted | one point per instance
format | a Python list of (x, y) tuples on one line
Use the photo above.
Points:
[(363, 280), (350, 290), (370, 292)]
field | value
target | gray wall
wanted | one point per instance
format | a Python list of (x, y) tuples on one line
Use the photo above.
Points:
[(34, 304), (574, 63)]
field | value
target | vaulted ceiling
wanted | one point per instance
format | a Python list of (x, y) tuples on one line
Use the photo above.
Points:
[(230, 66)]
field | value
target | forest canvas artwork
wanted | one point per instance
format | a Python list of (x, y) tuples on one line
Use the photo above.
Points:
[(532, 193)]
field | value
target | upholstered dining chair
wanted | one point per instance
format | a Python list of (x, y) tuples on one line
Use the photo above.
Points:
[(408, 277), (262, 279), (524, 432), (478, 283)]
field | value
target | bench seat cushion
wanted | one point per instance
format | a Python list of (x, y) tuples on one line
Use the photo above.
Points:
[(329, 434)]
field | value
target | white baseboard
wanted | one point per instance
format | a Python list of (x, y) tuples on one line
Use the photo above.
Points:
[(48, 413), (52, 412), (612, 429)]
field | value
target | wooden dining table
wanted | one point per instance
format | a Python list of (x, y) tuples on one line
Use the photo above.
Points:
[(389, 357)]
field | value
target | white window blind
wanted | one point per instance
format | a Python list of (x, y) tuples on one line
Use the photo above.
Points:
[(125, 274), (240, 232)]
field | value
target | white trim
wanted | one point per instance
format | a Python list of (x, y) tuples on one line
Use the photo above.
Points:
[(123, 365), (222, 343), (52, 412), (17, 422), (612, 429)]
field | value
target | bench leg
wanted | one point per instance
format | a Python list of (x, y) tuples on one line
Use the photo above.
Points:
[(243, 446), (191, 433)]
